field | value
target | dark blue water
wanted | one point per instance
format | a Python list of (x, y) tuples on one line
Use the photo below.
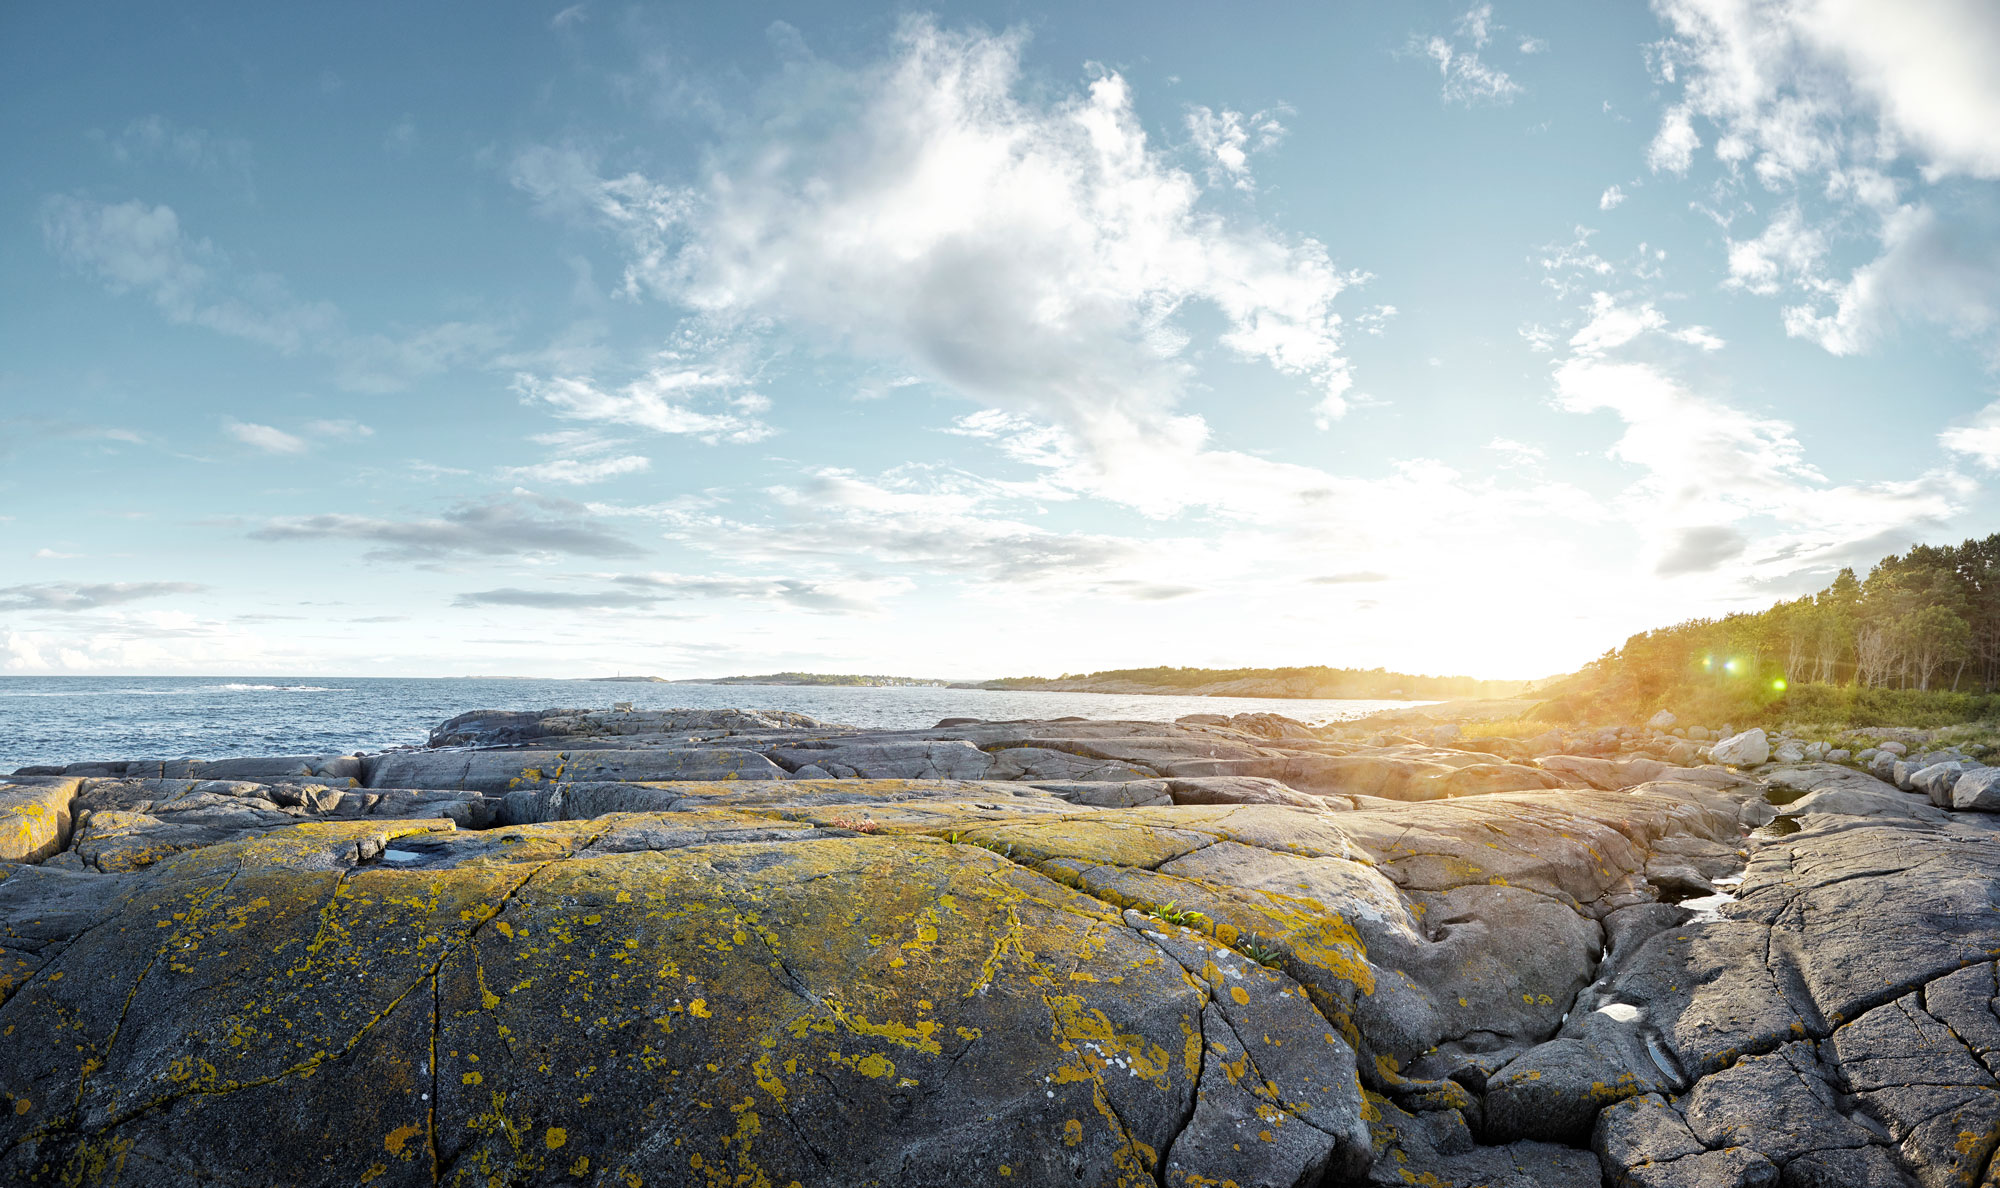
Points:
[(69, 719)]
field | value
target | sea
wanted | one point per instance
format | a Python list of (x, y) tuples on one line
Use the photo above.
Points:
[(49, 720)]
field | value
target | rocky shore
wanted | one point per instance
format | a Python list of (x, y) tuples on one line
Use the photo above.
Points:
[(729, 947)]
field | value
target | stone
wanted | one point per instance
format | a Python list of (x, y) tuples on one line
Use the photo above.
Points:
[(35, 819), (1663, 720), (1935, 781), (1977, 791), (1894, 748), (1747, 749)]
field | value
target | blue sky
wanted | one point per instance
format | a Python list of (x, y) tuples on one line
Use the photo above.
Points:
[(977, 340)]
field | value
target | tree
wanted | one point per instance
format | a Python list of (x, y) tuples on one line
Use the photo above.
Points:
[(1934, 636)]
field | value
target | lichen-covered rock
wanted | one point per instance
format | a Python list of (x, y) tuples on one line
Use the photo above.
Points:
[(35, 817), (1228, 951)]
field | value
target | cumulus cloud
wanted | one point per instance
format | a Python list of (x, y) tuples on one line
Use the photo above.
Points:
[(1784, 80), (84, 596), (1840, 106), (1711, 475), (1610, 199), (519, 524), (1942, 271), (1036, 254)]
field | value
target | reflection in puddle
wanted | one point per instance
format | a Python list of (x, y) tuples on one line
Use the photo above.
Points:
[(1783, 794), (1780, 827)]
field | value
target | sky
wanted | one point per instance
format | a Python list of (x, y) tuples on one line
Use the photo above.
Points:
[(979, 340)]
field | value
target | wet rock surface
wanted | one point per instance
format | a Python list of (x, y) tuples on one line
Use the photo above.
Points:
[(723, 947)]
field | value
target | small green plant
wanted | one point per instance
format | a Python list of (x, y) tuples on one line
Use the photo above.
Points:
[(1261, 951), (1172, 914)]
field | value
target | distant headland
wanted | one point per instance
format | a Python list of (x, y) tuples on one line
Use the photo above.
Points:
[(1319, 682)]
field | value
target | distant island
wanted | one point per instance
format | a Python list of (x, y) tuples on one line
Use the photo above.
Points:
[(634, 680), (823, 678), (1373, 684), (1317, 681)]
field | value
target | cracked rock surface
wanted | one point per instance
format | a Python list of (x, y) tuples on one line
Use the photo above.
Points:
[(721, 947)]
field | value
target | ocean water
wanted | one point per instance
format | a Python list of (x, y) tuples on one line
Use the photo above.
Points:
[(46, 720)]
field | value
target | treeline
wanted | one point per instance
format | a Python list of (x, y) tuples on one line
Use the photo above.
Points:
[(1312, 681), (1924, 622)]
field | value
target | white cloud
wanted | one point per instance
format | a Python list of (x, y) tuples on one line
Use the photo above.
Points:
[(339, 430), (155, 139), (1468, 80), (1979, 439), (1466, 77), (1720, 487), (1942, 272), (264, 437), (401, 138), (1612, 325), (1226, 139), (1674, 144), (664, 401), (1697, 336), (1840, 105), (1035, 254), (131, 247), (1788, 248), (1610, 199), (1516, 453), (575, 472)]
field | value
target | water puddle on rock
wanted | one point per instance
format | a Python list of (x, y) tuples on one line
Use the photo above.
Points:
[(1779, 827), (1707, 909)]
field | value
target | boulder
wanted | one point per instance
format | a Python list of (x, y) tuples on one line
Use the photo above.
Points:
[(1977, 791), (35, 817), (1747, 749), (1935, 781), (1664, 720)]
